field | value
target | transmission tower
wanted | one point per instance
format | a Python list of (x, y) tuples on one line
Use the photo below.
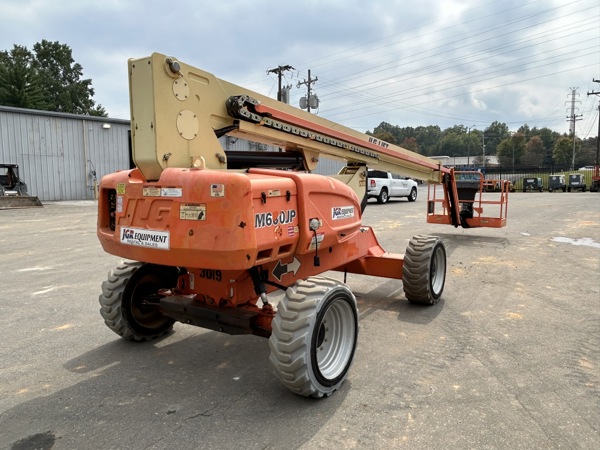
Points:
[(572, 118)]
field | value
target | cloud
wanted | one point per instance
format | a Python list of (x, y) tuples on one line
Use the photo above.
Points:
[(406, 63)]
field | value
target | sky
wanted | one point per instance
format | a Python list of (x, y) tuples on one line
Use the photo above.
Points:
[(407, 63)]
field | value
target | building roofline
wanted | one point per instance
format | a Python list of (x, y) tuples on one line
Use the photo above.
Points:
[(39, 112)]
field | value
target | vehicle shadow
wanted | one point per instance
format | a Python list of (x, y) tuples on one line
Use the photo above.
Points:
[(389, 297), (454, 241), (206, 390)]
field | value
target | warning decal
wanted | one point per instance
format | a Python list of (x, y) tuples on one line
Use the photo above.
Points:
[(192, 211)]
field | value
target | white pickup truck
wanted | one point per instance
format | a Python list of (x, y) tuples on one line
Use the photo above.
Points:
[(383, 185)]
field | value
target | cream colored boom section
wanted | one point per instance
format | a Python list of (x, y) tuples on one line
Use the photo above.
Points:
[(176, 108)]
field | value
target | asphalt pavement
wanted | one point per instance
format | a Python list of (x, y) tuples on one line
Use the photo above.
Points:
[(508, 359)]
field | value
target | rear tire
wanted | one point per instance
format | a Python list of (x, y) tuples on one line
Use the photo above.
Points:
[(424, 270), (383, 196), (314, 336), (123, 305)]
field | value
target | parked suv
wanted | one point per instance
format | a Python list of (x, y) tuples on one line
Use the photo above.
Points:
[(383, 185)]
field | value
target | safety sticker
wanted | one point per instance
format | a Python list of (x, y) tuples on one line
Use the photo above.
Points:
[(314, 242), (145, 238), (192, 211), (342, 212), (119, 203), (171, 192), (120, 188), (274, 193), (217, 190), (151, 191)]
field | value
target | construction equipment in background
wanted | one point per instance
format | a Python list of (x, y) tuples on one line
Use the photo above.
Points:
[(212, 234), (595, 185), (13, 190)]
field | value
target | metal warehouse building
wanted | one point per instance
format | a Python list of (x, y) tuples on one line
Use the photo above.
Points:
[(63, 156), (60, 156)]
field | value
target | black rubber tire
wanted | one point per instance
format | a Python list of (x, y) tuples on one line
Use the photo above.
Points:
[(424, 270), (122, 295), (383, 196), (314, 336), (413, 195)]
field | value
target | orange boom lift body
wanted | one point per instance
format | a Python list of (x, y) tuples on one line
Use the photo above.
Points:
[(210, 234)]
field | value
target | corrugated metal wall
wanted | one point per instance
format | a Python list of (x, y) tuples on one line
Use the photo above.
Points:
[(57, 153)]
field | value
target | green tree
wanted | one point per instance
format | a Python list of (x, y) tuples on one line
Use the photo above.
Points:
[(50, 72), (493, 135), (511, 149), (428, 139), (588, 151), (562, 152), (19, 84), (410, 143), (548, 137), (535, 152), (384, 135), (452, 144)]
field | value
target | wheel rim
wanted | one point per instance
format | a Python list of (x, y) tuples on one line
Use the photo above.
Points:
[(437, 271), (413, 194), (336, 337), (384, 196), (143, 316)]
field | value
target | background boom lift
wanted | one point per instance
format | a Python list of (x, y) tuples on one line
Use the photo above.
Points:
[(211, 233)]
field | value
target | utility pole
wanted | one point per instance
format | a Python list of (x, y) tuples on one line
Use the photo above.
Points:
[(572, 118), (597, 162), (279, 71), (469, 145), (483, 146), (310, 99)]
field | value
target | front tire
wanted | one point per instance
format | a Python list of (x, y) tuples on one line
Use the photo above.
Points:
[(314, 336), (124, 300), (424, 270), (413, 195)]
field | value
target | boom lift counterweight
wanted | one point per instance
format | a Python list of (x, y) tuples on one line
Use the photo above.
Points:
[(213, 233)]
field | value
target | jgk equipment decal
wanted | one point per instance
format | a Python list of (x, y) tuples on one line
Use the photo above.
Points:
[(145, 238), (342, 212)]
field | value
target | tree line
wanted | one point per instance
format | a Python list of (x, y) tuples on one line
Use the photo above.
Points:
[(525, 147), (46, 78)]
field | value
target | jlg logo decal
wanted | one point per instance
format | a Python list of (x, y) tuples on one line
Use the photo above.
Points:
[(267, 219)]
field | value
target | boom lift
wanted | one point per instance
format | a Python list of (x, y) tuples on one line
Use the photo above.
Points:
[(210, 234)]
